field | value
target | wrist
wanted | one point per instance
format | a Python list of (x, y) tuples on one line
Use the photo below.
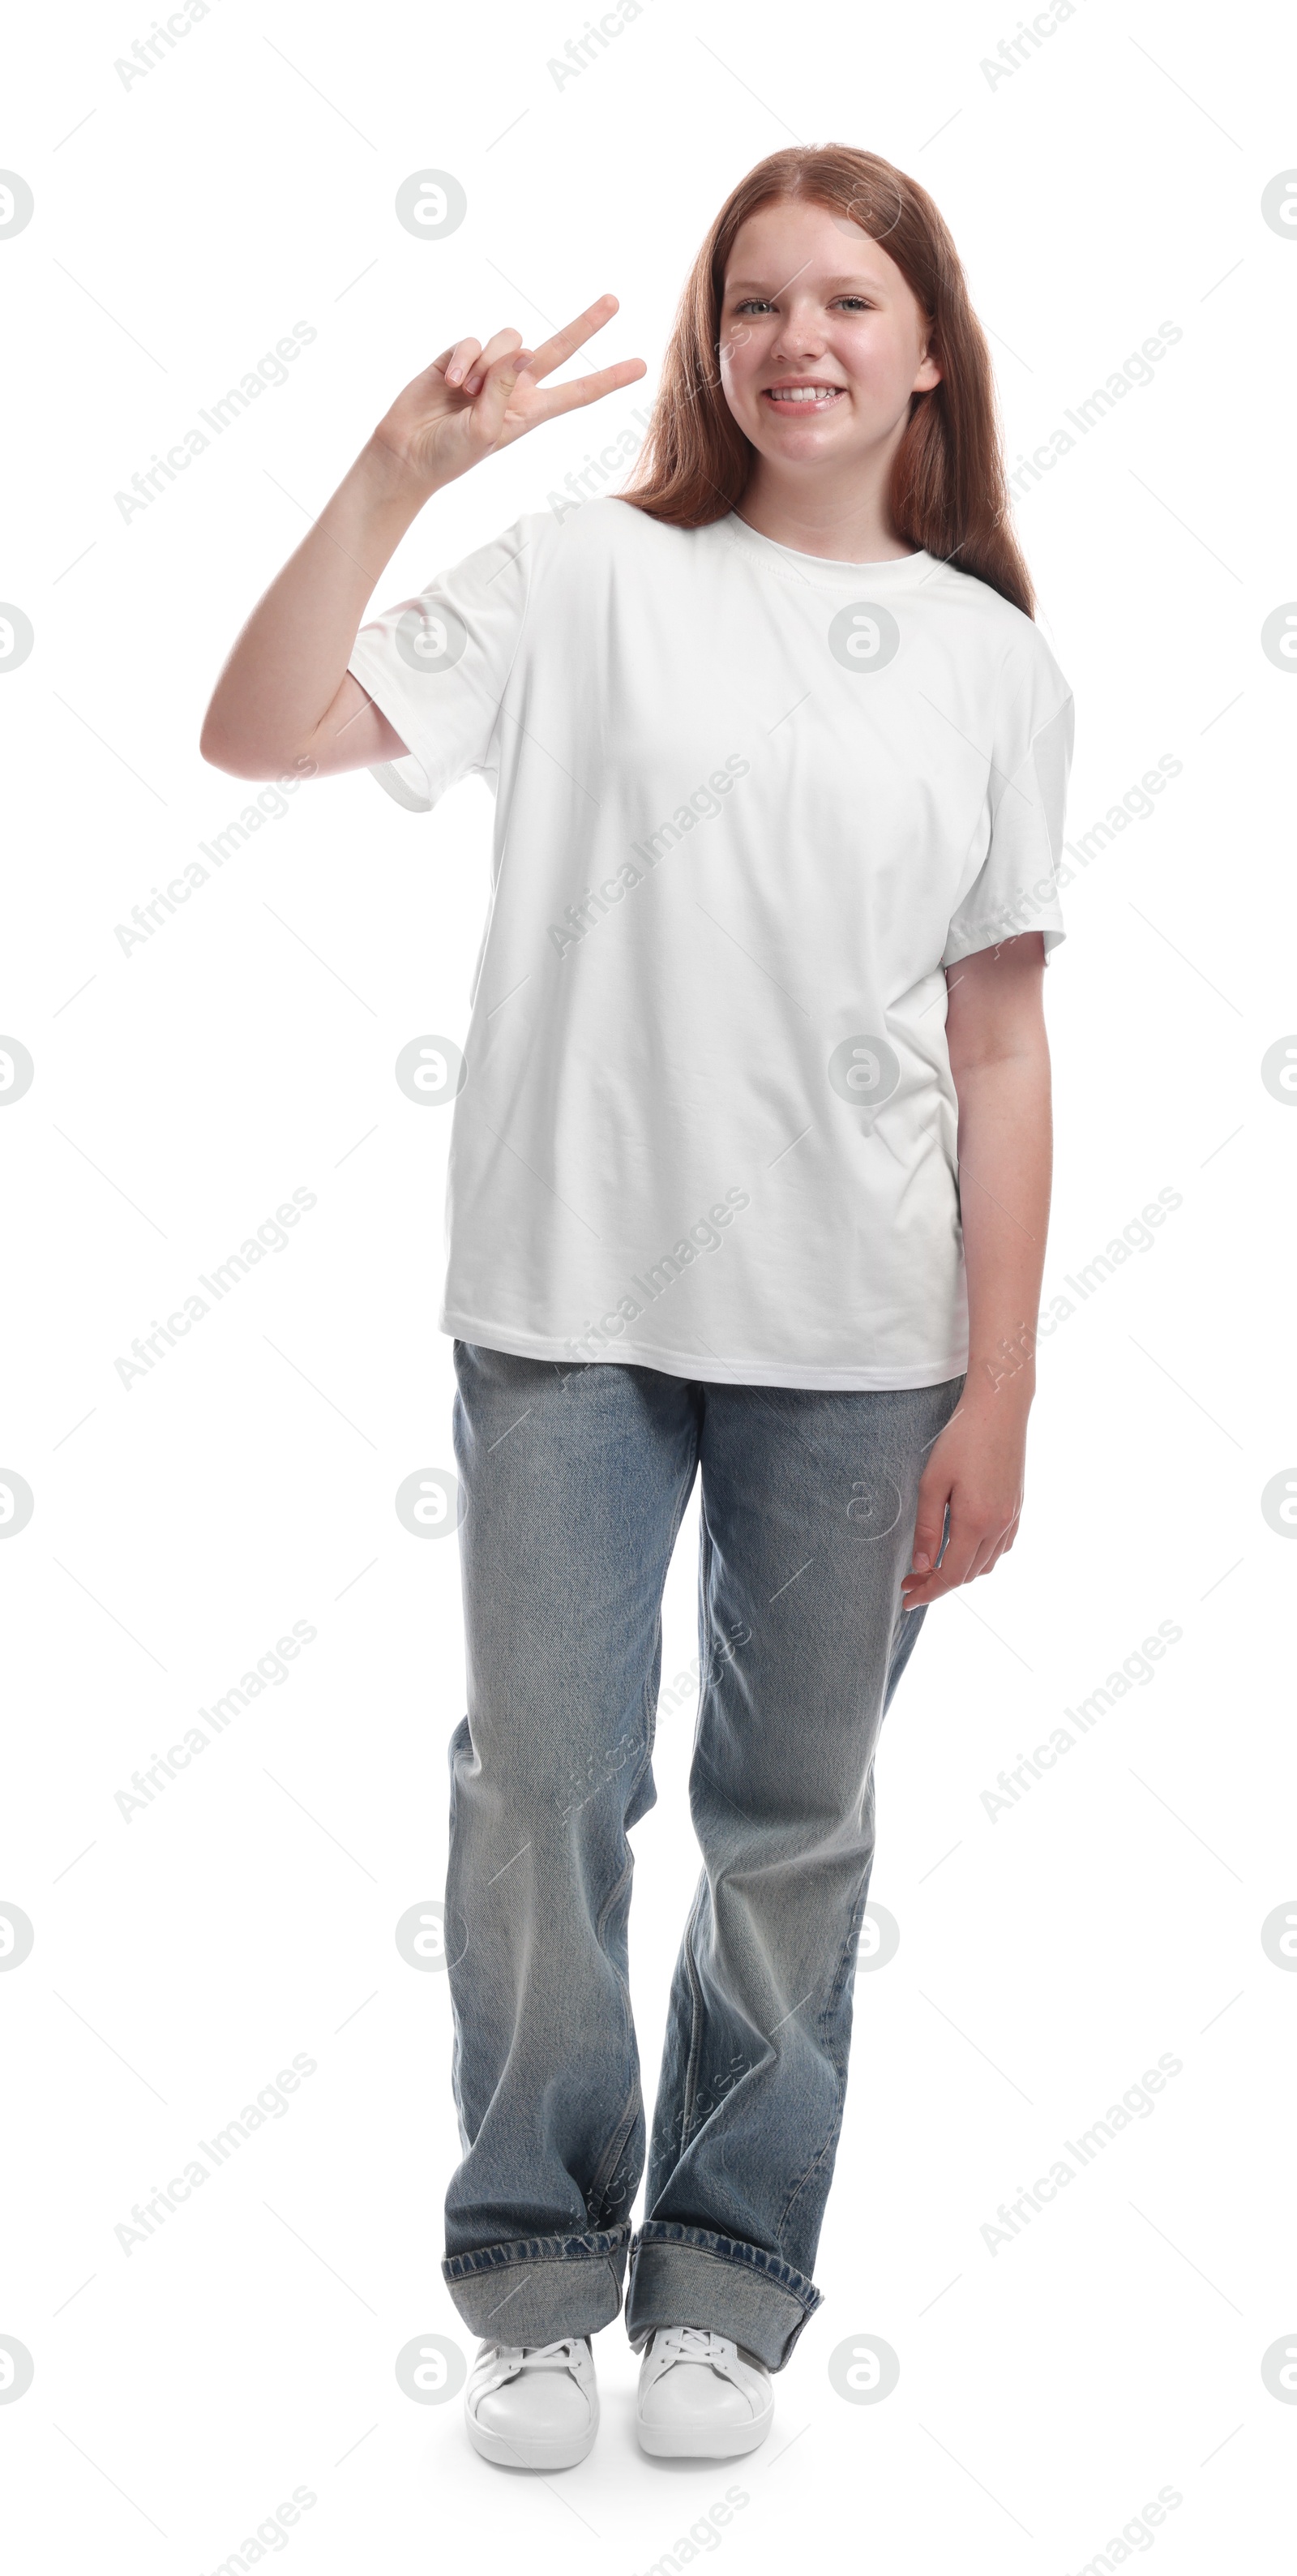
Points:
[(1001, 1365), (388, 480), (999, 1381)]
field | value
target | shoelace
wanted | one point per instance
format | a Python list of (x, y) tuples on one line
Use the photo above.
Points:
[(693, 2343), (508, 2358)]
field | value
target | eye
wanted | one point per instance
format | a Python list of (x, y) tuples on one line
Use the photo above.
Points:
[(754, 304), (855, 303)]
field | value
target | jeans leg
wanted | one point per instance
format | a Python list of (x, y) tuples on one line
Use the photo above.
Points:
[(809, 1502), (575, 1484)]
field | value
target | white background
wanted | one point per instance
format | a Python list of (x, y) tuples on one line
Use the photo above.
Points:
[(181, 1092)]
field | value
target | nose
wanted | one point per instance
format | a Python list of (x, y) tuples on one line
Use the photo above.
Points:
[(802, 335)]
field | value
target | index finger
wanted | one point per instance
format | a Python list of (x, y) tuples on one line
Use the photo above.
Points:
[(551, 353)]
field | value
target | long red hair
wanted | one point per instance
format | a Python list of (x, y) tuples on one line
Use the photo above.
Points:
[(948, 489)]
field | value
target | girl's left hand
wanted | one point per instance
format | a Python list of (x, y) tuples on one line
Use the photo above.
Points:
[(976, 1469)]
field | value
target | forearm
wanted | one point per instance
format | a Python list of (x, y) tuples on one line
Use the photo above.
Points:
[(284, 700), (289, 662), (1004, 1182)]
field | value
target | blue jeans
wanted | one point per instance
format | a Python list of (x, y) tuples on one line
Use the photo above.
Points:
[(576, 1481)]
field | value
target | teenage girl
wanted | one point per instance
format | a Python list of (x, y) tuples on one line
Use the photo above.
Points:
[(749, 1178)]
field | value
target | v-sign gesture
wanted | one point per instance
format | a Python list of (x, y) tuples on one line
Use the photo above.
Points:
[(473, 400), (286, 701)]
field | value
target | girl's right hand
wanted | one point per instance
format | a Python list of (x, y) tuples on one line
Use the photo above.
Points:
[(473, 400)]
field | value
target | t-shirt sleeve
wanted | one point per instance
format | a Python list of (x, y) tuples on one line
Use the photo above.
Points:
[(438, 666), (1020, 838)]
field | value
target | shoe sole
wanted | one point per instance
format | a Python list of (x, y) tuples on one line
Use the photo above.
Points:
[(534, 2454), (703, 2442)]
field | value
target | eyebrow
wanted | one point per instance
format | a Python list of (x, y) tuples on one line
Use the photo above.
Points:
[(757, 286)]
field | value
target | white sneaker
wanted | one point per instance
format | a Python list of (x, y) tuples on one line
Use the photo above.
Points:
[(700, 2398), (533, 2406)]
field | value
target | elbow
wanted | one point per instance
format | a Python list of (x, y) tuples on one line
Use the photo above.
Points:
[(220, 747), (213, 747), (1001, 1059), (240, 758)]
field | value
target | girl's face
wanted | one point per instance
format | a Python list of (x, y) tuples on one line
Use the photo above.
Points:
[(822, 342)]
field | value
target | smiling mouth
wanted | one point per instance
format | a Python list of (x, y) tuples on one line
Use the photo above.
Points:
[(805, 397)]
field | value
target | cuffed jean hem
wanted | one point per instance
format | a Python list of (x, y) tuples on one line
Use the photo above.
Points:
[(687, 2276), (541, 2287)]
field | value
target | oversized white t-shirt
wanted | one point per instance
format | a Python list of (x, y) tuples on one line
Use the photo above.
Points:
[(749, 805)]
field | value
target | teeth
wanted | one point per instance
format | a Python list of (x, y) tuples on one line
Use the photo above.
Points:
[(804, 393)]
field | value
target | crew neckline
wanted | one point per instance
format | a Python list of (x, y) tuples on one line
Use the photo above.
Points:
[(886, 569)]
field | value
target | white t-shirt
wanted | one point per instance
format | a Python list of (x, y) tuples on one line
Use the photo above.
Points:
[(749, 804)]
